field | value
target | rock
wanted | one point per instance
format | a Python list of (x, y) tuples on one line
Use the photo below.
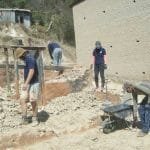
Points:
[(95, 139), (2, 116), (57, 113)]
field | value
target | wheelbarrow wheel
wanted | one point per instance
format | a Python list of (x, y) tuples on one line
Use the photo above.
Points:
[(108, 128)]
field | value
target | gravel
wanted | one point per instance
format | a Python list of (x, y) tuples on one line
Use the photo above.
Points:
[(81, 106)]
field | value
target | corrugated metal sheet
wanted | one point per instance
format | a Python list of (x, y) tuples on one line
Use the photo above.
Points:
[(16, 16), (7, 16)]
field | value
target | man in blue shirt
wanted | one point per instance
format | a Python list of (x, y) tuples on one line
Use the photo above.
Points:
[(31, 87), (141, 88), (55, 52), (99, 55)]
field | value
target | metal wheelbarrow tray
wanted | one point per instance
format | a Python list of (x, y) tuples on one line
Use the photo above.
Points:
[(115, 117)]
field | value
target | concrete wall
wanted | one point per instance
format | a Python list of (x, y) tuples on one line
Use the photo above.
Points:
[(123, 27)]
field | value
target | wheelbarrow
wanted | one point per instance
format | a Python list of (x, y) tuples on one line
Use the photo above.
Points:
[(115, 117), (117, 114)]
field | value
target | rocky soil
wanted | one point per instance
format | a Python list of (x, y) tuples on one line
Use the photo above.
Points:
[(63, 115), (9, 115), (80, 106), (69, 122), (93, 139)]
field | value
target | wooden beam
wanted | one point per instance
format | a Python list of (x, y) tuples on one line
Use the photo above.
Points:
[(7, 70), (16, 76), (10, 47), (59, 68), (41, 76)]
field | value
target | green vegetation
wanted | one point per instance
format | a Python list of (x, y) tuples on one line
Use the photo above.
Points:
[(54, 17)]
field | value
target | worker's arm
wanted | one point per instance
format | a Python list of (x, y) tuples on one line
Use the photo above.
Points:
[(50, 52), (105, 59), (29, 77), (50, 49)]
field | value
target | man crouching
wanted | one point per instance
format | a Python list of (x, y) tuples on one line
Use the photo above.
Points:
[(31, 87)]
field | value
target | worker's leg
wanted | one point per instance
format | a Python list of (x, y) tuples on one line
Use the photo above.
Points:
[(144, 113), (23, 107), (24, 98), (147, 118), (59, 57), (96, 74), (34, 108), (34, 97), (102, 76), (55, 56)]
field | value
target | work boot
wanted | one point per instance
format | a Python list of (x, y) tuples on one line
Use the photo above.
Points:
[(24, 120), (142, 134), (34, 121)]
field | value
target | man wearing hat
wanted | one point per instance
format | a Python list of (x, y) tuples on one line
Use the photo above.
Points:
[(99, 55), (31, 87)]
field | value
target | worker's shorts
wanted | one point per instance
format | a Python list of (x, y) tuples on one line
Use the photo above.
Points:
[(32, 93)]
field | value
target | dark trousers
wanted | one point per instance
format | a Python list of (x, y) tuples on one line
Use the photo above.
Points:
[(144, 113), (99, 69)]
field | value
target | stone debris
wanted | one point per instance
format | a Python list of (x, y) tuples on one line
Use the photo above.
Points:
[(73, 110), (72, 102), (9, 115)]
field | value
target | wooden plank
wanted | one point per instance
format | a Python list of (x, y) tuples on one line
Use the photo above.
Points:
[(41, 76), (59, 68), (7, 70), (16, 76), (11, 66), (10, 47)]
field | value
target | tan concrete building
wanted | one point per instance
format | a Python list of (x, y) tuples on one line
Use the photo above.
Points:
[(123, 27)]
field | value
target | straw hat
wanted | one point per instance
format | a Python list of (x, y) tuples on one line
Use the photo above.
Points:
[(19, 52)]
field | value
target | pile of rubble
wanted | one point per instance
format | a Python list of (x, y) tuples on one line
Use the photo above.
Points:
[(82, 106), (9, 115), (73, 102), (67, 75)]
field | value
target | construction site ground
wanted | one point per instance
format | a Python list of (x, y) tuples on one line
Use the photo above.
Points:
[(69, 122), (69, 115)]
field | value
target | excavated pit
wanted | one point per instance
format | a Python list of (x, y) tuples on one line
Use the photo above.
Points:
[(72, 114), (67, 110), (62, 102)]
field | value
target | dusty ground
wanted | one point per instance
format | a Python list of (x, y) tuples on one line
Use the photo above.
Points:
[(68, 123), (93, 139)]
